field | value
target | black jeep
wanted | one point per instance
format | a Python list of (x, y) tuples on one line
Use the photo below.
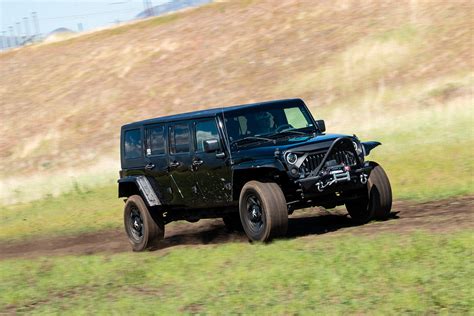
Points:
[(251, 165)]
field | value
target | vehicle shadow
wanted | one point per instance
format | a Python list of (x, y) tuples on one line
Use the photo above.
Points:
[(317, 224), (216, 233), (322, 224)]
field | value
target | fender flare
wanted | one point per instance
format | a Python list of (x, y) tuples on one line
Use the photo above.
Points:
[(368, 146), (255, 168), (144, 187)]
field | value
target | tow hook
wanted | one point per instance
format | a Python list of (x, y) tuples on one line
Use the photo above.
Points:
[(320, 186), (363, 178)]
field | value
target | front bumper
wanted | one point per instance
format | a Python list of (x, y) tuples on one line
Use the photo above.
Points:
[(336, 179), (334, 174)]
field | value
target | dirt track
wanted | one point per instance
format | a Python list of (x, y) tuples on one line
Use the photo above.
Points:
[(438, 216)]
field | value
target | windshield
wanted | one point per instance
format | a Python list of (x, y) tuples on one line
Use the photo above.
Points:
[(258, 122)]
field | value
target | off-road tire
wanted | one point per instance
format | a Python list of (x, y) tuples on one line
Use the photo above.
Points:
[(232, 222), (378, 202), (274, 212), (153, 228)]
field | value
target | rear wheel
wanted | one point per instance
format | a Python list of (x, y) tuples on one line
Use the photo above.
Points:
[(143, 231), (378, 202), (263, 211)]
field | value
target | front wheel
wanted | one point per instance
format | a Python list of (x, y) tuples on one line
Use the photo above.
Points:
[(143, 231), (378, 202), (263, 211)]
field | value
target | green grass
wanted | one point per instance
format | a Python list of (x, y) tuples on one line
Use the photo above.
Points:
[(81, 210), (428, 156), (416, 273)]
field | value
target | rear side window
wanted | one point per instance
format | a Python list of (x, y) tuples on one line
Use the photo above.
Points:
[(179, 139), (205, 130), (156, 140), (133, 144)]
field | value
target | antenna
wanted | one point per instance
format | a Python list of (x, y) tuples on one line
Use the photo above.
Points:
[(13, 37), (148, 7), (27, 28), (4, 40), (152, 9), (34, 17), (18, 32)]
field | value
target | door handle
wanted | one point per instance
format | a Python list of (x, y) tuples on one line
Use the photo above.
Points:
[(149, 166), (197, 162), (175, 164)]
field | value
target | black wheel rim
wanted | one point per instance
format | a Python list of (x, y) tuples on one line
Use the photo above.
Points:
[(135, 224), (255, 214)]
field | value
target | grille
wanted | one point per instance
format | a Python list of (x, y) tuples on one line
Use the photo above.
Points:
[(313, 160)]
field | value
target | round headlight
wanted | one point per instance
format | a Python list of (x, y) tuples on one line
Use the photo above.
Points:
[(291, 158), (356, 146), (359, 149)]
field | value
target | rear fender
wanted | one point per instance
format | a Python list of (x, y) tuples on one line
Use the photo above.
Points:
[(138, 185)]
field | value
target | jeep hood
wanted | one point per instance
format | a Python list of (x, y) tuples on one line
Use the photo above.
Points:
[(296, 144)]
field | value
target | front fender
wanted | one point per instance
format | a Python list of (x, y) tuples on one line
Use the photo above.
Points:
[(258, 169), (368, 146), (259, 164)]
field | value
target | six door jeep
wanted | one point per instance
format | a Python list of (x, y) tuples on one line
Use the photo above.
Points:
[(251, 165)]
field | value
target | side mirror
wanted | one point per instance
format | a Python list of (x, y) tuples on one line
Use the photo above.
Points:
[(211, 145), (321, 125)]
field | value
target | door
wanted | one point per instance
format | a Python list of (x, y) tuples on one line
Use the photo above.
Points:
[(211, 169), (157, 161), (179, 164)]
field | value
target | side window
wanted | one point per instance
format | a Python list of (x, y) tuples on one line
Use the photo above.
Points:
[(133, 144), (156, 145), (179, 139), (205, 130)]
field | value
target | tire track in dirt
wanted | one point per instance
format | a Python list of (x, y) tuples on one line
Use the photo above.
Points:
[(434, 216)]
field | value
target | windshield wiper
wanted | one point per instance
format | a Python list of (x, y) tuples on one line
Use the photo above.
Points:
[(251, 138), (292, 131), (289, 132)]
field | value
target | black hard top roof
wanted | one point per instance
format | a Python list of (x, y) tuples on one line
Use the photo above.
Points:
[(209, 112)]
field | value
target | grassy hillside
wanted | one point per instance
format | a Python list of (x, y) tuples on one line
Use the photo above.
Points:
[(377, 69)]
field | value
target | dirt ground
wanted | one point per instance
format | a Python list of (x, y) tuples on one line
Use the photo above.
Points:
[(438, 216)]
